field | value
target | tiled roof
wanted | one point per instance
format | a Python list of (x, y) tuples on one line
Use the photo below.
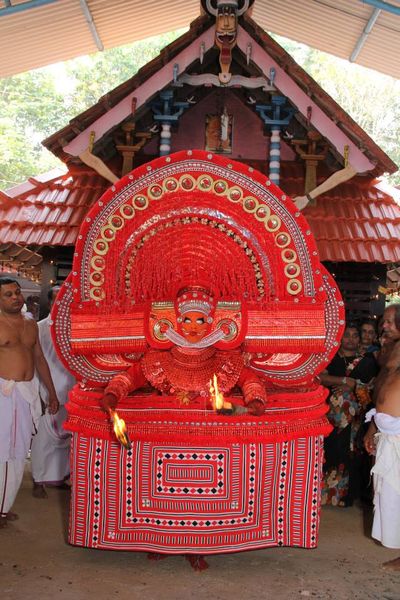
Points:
[(356, 221), (48, 210)]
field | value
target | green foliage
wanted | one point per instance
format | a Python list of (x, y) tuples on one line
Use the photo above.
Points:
[(30, 109), (95, 75), (370, 98), (35, 104)]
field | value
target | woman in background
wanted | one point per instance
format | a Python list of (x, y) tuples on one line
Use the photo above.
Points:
[(347, 377)]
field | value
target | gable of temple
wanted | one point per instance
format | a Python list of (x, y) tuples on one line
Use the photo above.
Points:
[(249, 101)]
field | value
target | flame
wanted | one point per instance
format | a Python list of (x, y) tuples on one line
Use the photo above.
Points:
[(120, 430), (217, 397)]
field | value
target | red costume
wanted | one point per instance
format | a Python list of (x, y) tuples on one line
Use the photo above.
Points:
[(190, 266), (187, 369)]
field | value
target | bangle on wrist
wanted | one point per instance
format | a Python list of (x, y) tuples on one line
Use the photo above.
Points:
[(344, 380)]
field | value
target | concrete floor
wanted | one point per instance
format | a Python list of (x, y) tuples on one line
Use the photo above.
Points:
[(36, 562)]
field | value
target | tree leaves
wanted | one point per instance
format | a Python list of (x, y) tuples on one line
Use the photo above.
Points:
[(35, 104)]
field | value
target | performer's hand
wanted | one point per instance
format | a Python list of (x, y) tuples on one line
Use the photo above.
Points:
[(53, 405), (255, 407), (109, 401), (369, 440)]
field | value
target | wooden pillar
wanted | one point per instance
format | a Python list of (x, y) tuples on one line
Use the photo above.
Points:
[(48, 279), (133, 142), (167, 112), (312, 151), (275, 116)]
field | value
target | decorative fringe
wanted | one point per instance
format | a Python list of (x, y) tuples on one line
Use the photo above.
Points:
[(162, 419), (213, 435)]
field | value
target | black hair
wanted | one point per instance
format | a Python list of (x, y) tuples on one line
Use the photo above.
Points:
[(8, 280), (369, 321), (353, 325)]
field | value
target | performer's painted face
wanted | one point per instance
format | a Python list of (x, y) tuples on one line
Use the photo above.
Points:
[(194, 326)]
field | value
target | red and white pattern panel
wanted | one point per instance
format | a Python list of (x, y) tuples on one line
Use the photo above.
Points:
[(181, 498)]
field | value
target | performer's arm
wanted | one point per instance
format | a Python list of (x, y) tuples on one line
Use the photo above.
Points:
[(43, 370), (254, 394), (121, 385)]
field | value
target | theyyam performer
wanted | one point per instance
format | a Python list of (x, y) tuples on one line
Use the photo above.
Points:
[(188, 368), (195, 278)]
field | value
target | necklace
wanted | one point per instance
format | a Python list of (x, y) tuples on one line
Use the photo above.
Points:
[(347, 359)]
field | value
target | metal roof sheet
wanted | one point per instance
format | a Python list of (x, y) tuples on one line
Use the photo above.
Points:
[(59, 30), (335, 26)]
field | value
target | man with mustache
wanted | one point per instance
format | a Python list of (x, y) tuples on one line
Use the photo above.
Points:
[(20, 407)]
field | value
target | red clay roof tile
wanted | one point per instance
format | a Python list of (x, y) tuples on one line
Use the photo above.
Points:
[(353, 222)]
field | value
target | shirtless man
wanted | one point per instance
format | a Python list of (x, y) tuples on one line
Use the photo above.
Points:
[(386, 444), (20, 407)]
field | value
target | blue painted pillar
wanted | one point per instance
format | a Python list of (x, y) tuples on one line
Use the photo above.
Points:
[(167, 112), (275, 115)]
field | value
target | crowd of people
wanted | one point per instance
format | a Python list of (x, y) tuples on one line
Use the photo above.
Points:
[(363, 381)]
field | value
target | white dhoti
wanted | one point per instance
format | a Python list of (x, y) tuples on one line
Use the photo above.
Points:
[(51, 444), (386, 472), (19, 413), (50, 450)]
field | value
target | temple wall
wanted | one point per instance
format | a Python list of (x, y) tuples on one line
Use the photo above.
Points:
[(249, 141)]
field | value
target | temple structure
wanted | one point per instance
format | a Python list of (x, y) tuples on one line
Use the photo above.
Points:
[(192, 195), (227, 87)]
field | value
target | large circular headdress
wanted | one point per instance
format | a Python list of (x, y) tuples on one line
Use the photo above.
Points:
[(197, 217)]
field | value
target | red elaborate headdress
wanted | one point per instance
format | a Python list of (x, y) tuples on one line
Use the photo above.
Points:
[(205, 219), (194, 298)]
